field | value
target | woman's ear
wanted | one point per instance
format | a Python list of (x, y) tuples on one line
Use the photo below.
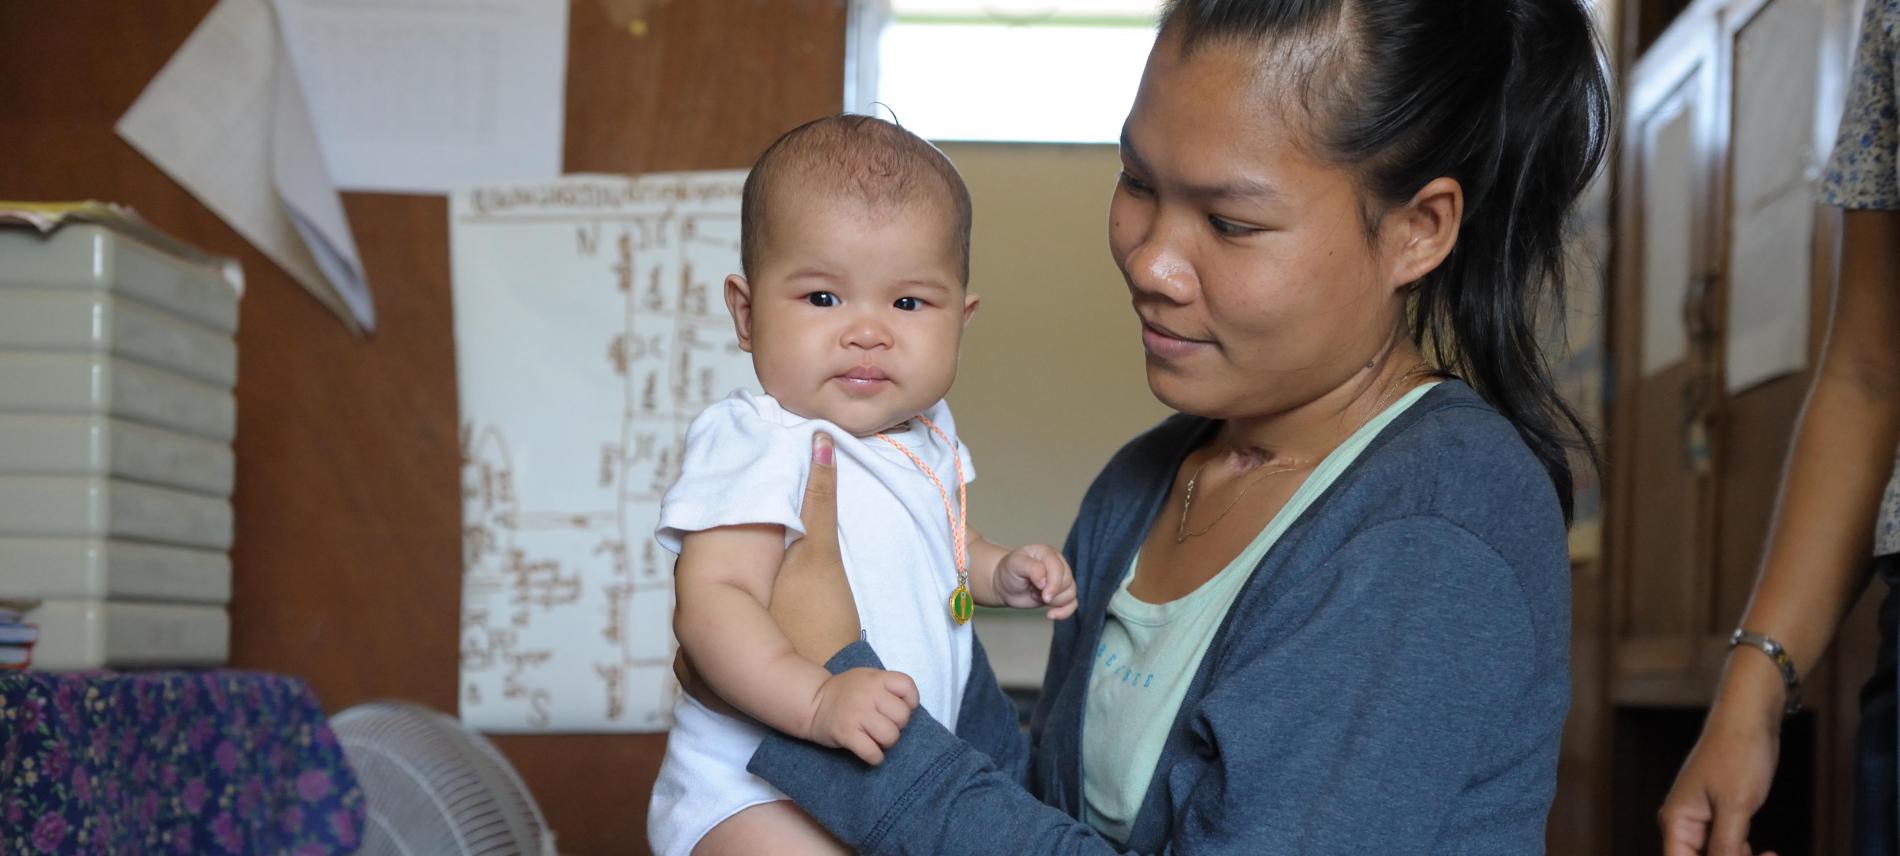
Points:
[(739, 303), (1419, 235)]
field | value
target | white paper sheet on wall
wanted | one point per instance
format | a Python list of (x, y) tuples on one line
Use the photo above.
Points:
[(421, 96), (589, 330)]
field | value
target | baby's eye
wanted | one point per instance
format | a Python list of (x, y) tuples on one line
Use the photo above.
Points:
[(909, 304), (822, 299)]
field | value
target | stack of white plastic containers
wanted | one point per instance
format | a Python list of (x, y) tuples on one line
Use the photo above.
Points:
[(117, 365)]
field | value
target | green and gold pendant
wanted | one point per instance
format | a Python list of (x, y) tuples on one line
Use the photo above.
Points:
[(962, 605)]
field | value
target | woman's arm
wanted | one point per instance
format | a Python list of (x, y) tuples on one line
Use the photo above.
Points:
[(1355, 733), (1842, 458)]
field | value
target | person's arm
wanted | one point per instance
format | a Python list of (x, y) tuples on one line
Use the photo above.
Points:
[(1842, 457), (723, 579), (1312, 754)]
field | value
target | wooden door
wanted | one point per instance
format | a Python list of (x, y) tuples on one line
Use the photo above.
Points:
[(1664, 392)]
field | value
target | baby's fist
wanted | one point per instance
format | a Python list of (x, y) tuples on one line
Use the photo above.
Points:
[(1037, 575), (863, 710)]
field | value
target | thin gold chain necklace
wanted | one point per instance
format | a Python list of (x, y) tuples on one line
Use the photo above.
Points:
[(1187, 502)]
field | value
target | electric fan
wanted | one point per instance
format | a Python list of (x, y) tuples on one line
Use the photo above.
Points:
[(435, 787)]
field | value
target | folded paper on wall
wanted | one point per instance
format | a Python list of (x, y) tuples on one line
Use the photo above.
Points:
[(226, 119)]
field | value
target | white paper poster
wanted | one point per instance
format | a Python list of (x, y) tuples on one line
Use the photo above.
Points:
[(420, 96), (589, 330)]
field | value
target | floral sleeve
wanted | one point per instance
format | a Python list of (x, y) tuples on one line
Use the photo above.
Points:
[(1861, 174)]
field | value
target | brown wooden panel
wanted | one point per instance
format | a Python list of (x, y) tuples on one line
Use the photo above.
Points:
[(1665, 580), (1755, 430), (347, 560), (1657, 515)]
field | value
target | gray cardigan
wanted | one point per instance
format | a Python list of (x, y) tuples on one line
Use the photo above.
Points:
[(1393, 679)]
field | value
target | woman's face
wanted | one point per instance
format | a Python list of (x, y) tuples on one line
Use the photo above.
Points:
[(1246, 255)]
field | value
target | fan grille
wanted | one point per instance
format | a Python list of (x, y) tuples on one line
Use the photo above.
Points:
[(434, 787)]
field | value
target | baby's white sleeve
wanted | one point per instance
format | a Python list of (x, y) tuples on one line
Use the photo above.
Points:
[(738, 469)]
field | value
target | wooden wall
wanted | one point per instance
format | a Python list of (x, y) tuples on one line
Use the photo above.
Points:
[(348, 560)]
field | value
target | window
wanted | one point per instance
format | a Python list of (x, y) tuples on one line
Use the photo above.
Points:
[(1000, 70)]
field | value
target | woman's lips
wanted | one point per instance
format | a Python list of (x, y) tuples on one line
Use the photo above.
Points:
[(1164, 343)]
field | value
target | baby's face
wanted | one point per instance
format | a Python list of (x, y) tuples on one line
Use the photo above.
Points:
[(855, 313)]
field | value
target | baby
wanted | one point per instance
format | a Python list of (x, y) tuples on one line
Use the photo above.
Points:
[(855, 247)]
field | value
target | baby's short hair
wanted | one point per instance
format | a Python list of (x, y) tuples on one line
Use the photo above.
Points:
[(855, 157)]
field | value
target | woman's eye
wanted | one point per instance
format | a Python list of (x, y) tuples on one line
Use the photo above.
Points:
[(822, 298), (1134, 185), (1230, 228), (909, 304)]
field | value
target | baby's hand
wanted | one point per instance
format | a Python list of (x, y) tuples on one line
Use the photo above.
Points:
[(863, 710), (1037, 575)]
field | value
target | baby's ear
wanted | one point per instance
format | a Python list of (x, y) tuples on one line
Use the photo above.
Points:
[(970, 302), (739, 303)]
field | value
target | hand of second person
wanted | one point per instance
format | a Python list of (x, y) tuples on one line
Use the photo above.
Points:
[(811, 599), (1037, 575), (863, 711), (1719, 790)]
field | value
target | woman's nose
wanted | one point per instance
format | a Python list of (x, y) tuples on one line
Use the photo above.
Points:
[(1157, 266)]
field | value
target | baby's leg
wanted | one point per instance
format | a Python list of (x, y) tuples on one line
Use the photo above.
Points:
[(774, 827)]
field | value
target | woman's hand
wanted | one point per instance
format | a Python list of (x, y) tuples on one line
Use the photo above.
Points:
[(811, 599), (1723, 783)]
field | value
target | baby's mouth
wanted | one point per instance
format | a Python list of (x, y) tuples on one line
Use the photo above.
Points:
[(864, 379)]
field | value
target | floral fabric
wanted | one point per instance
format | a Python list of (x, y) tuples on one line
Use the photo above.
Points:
[(171, 762), (1861, 173)]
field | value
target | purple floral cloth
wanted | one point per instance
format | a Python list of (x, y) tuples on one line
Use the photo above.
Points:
[(171, 762)]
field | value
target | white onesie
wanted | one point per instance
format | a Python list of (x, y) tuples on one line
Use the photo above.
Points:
[(746, 461)]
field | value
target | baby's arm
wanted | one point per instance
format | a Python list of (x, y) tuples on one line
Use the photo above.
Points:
[(1026, 578), (724, 581)]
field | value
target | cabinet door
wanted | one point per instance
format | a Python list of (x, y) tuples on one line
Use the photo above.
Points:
[(1661, 519)]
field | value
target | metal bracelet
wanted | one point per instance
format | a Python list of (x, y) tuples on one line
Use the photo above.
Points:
[(1785, 663)]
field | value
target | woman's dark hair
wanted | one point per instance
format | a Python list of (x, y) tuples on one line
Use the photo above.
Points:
[(1509, 98)]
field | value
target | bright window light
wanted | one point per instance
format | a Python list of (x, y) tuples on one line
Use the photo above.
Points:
[(1011, 70)]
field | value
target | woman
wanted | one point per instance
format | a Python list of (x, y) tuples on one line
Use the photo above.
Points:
[(1841, 465), (1326, 609)]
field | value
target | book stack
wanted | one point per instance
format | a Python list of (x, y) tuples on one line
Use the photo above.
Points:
[(16, 640), (117, 366)]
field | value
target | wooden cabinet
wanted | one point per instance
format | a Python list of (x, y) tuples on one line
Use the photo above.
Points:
[(1724, 265), (1660, 520)]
